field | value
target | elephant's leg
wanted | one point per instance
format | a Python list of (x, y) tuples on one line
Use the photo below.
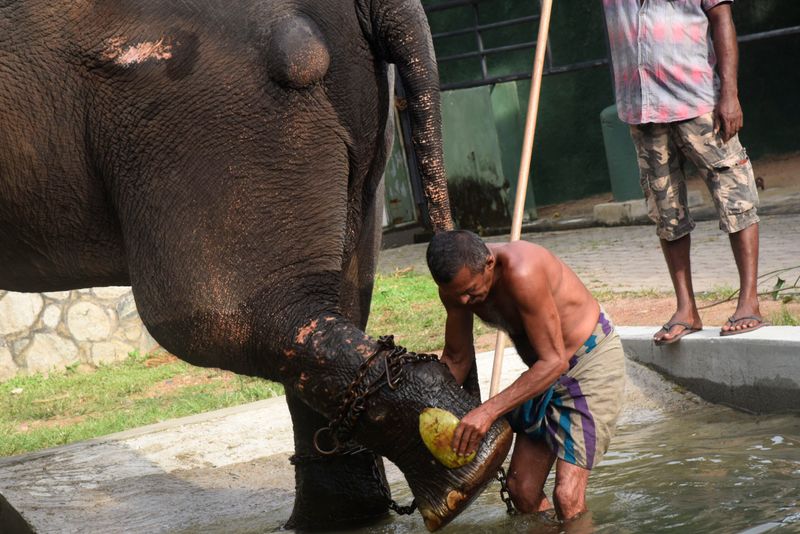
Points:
[(358, 276), (331, 488), (331, 491), (385, 418)]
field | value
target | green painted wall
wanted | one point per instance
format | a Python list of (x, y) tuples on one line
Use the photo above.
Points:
[(478, 188), (509, 120), (568, 154), (482, 150), (769, 77), (569, 158)]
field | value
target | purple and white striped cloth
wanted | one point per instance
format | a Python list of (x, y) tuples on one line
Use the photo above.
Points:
[(663, 59), (576, 416)]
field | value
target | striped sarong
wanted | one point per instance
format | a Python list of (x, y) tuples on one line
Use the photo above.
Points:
[(577, 415)]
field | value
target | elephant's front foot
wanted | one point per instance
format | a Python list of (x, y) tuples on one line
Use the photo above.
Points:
[(338, 492), (344, 490), (388, 422)]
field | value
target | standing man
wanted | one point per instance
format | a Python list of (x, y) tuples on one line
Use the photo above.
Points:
[(675, 66), (565, 405)]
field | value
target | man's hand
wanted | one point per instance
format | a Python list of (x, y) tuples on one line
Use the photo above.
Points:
[(728, 114), (728, 117), (470, 431)]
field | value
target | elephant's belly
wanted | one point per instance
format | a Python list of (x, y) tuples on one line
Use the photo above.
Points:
[(43, 253), (57, 230)]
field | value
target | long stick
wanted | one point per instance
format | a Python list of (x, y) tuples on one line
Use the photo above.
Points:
[(524, 167)]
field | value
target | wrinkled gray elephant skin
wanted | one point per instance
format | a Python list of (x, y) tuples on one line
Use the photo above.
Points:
[(224, 159)]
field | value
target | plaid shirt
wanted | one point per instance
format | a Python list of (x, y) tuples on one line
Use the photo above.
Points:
[(663, 59)]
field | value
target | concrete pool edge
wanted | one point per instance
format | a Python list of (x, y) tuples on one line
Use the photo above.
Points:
[(757, 372)]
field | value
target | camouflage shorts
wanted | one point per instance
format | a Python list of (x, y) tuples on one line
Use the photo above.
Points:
[(667, 152)]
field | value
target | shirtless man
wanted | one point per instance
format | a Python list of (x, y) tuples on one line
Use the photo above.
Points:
[(565, 406)]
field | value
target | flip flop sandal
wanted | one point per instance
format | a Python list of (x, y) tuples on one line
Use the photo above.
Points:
[(733, 320), (687, 329)]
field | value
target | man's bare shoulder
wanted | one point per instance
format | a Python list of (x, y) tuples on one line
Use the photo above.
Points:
[(526, 267), (523, 257)]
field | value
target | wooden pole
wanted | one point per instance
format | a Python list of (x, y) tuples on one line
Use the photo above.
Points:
[(524, 166)]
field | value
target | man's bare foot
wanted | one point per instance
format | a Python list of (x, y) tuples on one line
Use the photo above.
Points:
[(678, 326), (746, 317)]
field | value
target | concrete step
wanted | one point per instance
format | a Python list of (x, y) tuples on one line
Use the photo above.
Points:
[(757, 372)]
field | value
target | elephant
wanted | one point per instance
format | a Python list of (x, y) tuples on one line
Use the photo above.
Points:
[(224, 159)]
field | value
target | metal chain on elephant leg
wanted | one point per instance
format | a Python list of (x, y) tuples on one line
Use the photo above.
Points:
[(354, 401), (351, 450), (384, 486), (504, 495)]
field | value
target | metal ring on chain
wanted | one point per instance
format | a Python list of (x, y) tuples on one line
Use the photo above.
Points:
[(354, 401), (333, 438)]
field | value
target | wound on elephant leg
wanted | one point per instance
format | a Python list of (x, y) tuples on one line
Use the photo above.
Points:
[(297, 54), (304, 332)]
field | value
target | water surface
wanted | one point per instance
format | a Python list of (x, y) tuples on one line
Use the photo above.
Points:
[(706, 470)]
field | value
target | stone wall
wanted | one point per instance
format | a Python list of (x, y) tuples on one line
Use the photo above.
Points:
[(41, 332)]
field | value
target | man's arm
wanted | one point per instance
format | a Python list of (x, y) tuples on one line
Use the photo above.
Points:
[(459, 351), (542, 323), (728, 115)]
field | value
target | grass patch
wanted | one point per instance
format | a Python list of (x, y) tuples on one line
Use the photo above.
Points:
[(607, 295), (407, 305), (45, 411), (784, 317), (718, 293)]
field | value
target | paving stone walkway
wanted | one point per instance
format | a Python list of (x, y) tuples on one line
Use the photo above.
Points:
[(628, 258)]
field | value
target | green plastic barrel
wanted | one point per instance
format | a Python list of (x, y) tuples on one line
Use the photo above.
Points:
[(620, 156)]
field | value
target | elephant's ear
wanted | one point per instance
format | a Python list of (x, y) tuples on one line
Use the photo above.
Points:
[(399, 32)]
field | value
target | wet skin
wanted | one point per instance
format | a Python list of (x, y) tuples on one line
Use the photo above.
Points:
[(547, 311)]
